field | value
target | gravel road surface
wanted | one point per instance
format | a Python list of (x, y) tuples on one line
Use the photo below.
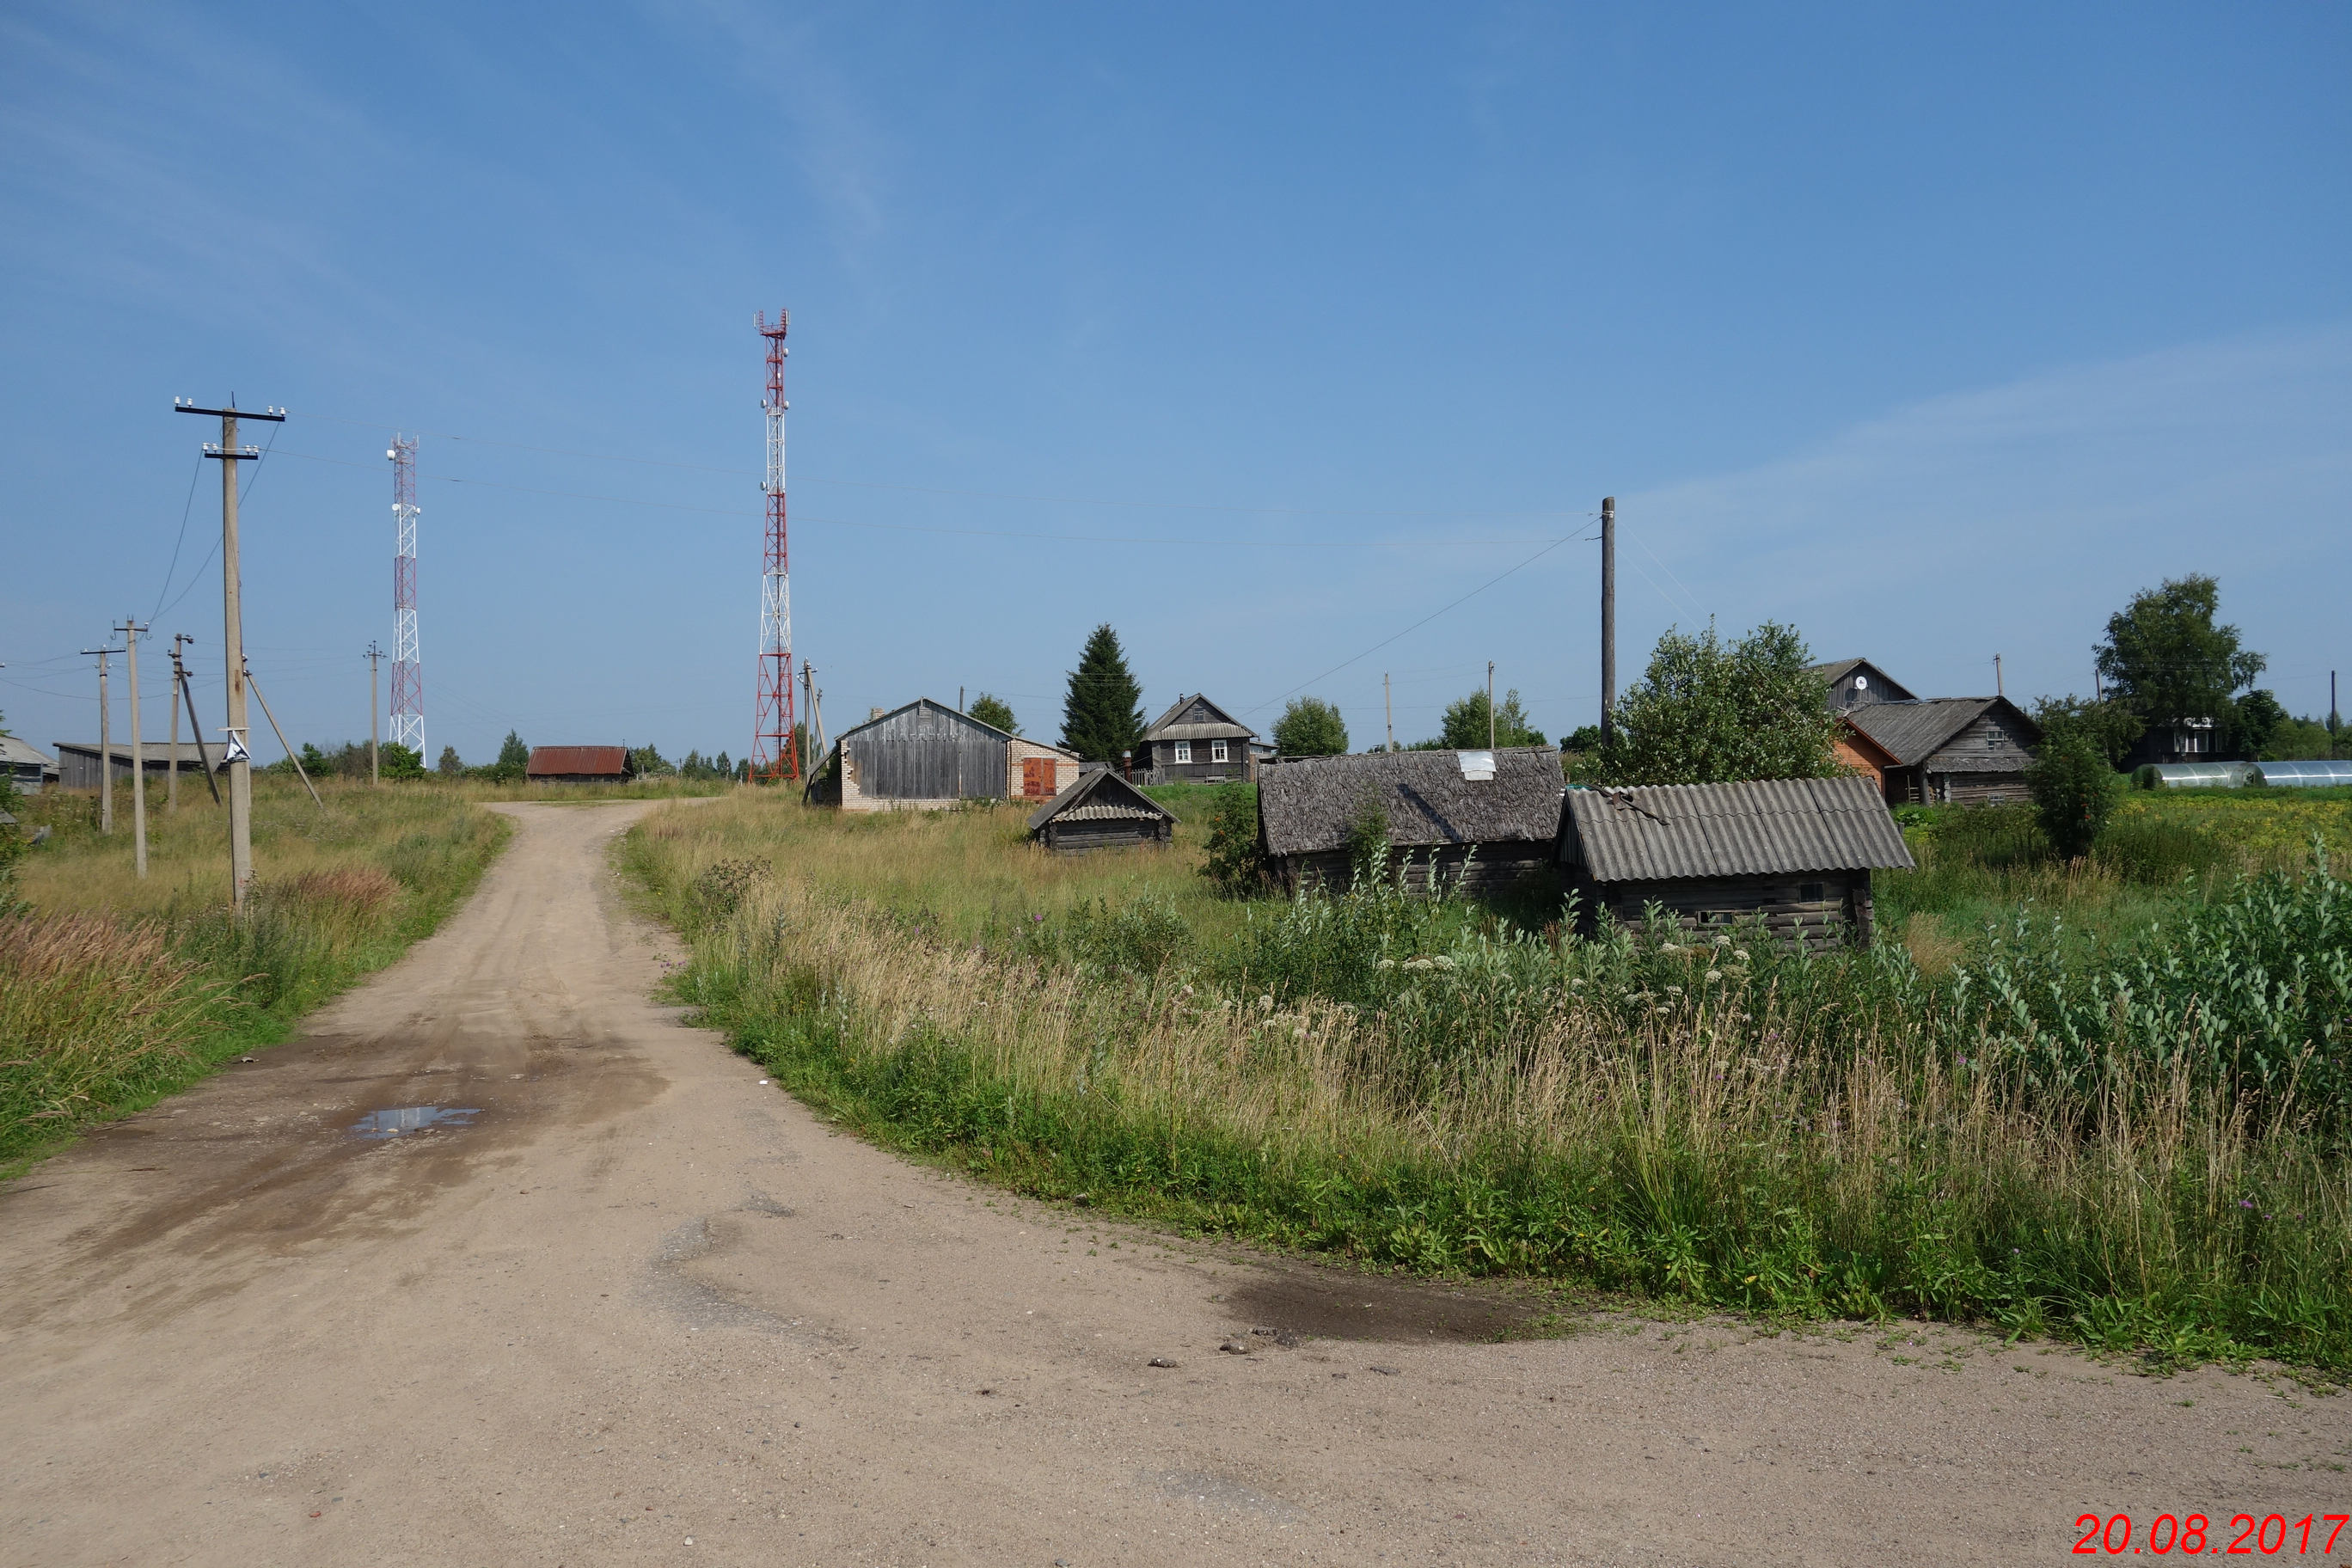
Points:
[(500, 1263)]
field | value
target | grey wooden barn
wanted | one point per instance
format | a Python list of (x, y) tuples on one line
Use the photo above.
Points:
[(1100, 811), (927, 756), (1951, 751), (1479, 820), (1796, 854)]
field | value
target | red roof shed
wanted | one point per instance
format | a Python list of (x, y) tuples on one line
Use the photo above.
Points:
[(578, 765)]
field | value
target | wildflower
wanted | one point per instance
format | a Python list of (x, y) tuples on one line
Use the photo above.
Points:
[(1712, 975), (1441, 962), (1723, 941), (1386, 963), (1740, 953), (1673, 990), (1186, 992), (1265, 1004), (2243, 1204)]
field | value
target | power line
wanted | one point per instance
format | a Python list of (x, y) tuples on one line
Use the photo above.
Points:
[(987, 495)]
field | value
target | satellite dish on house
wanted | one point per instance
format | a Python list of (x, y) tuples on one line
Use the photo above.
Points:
[(1861, 683)]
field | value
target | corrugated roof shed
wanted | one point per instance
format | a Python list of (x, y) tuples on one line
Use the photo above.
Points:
[(1101, 795), (564, 760), (1763, 826), (1308, 805)]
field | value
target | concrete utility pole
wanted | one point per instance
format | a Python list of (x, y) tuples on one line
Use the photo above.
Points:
[(1388, 711), (105, 745), (1490, 704), (1608, 619), (228, 453), (375, 775), (131, 630), (1998, 689), (812, 738)]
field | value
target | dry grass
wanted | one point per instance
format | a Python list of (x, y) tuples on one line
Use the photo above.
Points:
[(1855, 1175), (115, 989)]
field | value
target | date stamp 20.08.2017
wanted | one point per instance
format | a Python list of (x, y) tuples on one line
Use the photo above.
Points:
[(2194, 1535)]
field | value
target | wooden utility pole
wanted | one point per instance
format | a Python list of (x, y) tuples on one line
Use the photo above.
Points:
[(172, 765), (228, 453), (282, 741), (1608, 619), (196, 729), (105, 745), (374, 654), (1388, 711), (131, 630), (1490, 704)]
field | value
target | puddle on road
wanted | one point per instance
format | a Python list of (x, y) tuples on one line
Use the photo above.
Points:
[(413, 1118)]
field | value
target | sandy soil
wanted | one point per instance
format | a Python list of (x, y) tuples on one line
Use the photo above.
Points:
[(638, 1307)]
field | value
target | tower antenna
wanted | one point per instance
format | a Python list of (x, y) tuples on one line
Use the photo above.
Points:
[(775, 758), (407, 671)]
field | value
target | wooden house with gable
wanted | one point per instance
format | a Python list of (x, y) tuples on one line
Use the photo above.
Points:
[(927, 756), (1950, 751), (1100, 811), (1856, 682), (1195, 742), (1479, 820), (1795, 853)]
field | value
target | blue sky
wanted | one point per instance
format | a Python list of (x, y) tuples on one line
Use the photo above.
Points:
[(1935, 334)]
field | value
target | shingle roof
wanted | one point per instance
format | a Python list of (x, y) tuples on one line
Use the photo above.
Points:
[(1758, 827), (1309, 805), (1223, 727), (1919, 729), (567, 760), (1099, 795)]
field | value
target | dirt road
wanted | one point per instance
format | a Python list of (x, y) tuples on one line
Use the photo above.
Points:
[(631, 1307)]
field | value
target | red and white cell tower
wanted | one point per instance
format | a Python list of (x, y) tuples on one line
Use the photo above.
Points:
[(773, 755), (407, 672)]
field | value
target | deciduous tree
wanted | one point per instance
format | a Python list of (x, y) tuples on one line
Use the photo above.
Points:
[(1710, 712), (1310, 727), (991, 709)]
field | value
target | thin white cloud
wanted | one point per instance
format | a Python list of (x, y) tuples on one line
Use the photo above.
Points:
[(2015, 520)]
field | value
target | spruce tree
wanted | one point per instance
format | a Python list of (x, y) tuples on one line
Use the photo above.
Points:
[(1103, 714)]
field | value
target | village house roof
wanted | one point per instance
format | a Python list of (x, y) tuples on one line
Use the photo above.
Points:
[(1100, 795), (153, 753), (941, 711), (1195, 717), (1760, 828), (1309, 805), (14, 750), (1915, 731), (565, 762), (1839, 673)]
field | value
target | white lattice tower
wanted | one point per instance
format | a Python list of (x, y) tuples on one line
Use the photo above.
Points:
[(407, 671)]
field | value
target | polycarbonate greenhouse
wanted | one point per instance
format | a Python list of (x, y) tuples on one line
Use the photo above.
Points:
[(2322, 774), (2196, 776)]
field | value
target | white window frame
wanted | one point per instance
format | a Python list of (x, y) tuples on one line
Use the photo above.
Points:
[(1217, 751), (1184, 751)]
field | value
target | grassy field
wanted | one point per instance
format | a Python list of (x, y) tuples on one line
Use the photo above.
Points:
[(115, 991), (2110, 1136)]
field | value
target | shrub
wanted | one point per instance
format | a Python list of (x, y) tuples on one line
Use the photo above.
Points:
[(2073, 790), (1233, 864)]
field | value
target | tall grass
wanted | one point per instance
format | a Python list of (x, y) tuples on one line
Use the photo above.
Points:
[(115, 990), (1414, 1085)]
